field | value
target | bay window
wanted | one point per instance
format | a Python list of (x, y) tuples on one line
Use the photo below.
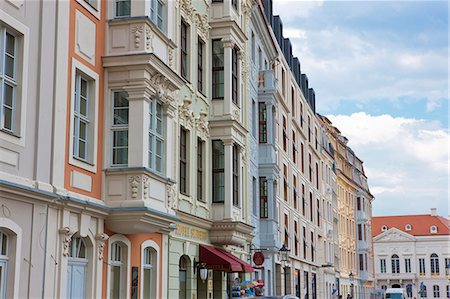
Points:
[(263, 194), (156, 137), (235, 175), (234, 77), (218, 164), (122, 8), (119, 129), (157, 13), (217, 69)]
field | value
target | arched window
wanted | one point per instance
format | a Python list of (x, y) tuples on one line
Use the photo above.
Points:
[(77, 268), (118, 262), (434, 260), (436, 291), (183, 266), (395, 261), (3, 263), (423, 291), (150, 268)]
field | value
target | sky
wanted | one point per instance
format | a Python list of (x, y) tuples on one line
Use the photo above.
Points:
[(380, 73)]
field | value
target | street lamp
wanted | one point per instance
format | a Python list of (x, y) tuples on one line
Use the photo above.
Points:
[(284, 258), (350, 276), (202, 270)]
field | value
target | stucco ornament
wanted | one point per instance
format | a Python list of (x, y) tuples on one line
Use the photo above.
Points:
[(171, 57), (134, 185), (185, 113), (201, 21), (161, 86), (101, 239), (137, 31), (146, 183), (171, 191), (66, 238), (187, 8), (148, 39), (202, 124)]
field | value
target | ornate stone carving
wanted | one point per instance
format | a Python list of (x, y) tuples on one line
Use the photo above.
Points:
[(146, 185), (185, 114), (171, 57), (228, 43), (137, 31), (161, 85), (172, 196), (66, 238), (101, 238), (187, 8), (134, 184), (201, 21), (148, 39), (246, 7), (236, 115), (202, 124)]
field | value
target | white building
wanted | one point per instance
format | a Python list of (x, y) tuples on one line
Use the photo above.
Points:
[(413, 252)]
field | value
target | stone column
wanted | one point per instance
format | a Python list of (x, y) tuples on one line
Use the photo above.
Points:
[(228, 46), (228, 173)]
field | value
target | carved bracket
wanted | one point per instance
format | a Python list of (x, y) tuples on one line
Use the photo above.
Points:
[(101, 239), (67, 237)]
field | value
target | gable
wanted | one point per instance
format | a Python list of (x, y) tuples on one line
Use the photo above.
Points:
[(394, 235)]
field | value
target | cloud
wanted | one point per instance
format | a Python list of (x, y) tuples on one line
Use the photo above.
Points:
[(292, 9), (406, 160)]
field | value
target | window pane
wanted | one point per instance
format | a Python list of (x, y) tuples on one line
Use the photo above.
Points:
[(120, 156), (122, 8), (9, 47), (120, 138), (83, 130), (147, 282), (83, 106), (9, 66), (9, 93), (84, 87), (115, 282)]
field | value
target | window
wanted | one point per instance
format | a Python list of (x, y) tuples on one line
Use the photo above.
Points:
[(302, 156), (408, 265), (436, 291), (254, 197), (301, 114), (119, 129), (4, 258), (122, 8), (316, 140), (253, 118), (285, 183), (234, 76), (423, 291), (294, 148), (8, 80), (77, 268), (305, 246), (358, 203), (447, 266), (157, 13), (312, 247), (292, 101), (283, 81), (184, 49), (200, 146), (286, 230), (318, 212), (200, 47), (118, 270), (83, 114), (317, 176), (384, 228), (182, 275), (434, 262), (421, 266), (408, 227), (310, 167), (311, 214), (183, 160), (149, 268), (262, 115), (260, 65), (156, 137), (309, 128), (433, 229), (303, 201), (235, 175), (263, 196), (361, 262), (395, 263), (383, 266), (218, 161), (296, 237), (448, 291), (284, 133), (217, 69), (235, 4), (359, 232), (253, 46), (294, 189)]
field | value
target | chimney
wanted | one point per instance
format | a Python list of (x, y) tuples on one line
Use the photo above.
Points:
[(433, 212)]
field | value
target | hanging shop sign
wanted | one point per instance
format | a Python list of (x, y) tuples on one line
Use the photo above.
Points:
[(258, 258)]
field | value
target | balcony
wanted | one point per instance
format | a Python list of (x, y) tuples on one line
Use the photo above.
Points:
[(235, 233), (267, 82), (361, 216), (138, 35), (139, 201)]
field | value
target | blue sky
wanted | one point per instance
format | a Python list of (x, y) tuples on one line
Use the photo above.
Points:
[(380, 72)]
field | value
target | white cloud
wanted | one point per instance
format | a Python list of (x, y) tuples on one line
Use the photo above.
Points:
[(291, 9), (406, 160)]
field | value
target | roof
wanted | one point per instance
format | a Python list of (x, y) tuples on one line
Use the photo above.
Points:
[(420, 224)]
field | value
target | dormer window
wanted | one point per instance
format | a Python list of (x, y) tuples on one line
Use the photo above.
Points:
[(433, 229), (384, 228), (408, 227)]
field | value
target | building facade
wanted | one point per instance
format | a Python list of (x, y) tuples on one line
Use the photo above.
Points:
[(411, 252), (146, 143)]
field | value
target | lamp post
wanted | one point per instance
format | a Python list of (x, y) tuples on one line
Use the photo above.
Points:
[(202, 270), (350, 276), (284, 258)]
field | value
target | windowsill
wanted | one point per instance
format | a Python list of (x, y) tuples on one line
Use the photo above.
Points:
[(90, 8), (147, 170), (9, 133), (218, 99), (219, 202), (83, 161)]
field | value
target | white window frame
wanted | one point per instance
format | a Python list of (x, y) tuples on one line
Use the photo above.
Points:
[(155, 246), (91, 165), (153, 136), (111, 241), (14, 262), (21, 32), (7, 80), (115, 16), (120, 127), (156, 14)]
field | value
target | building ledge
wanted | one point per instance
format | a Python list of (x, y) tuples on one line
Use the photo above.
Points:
[(230, 233)]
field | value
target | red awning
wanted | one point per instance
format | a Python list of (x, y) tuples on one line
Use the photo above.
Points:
[(220, 260), (247, 267)]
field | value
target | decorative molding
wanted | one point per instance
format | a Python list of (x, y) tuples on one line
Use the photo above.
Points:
[(137, 31), (201, 21), (101, 238), (134, 184), (236, 115), (146, 183), (171, 191), (148, 39), (185, 114), (202, 125), (67, 237), (228, 43), (171, 57), (187, 9)]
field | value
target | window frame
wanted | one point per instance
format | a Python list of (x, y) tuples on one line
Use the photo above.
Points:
[(236, 175), (434, 264), (115, 16), (200, 169), (7, 80), (200, 65), (215, 95), (119, 127), (217, 170), (263, 197), (150, 244), (184, 49), (235, 76), (158, 15), (90, 165), (183, 159), (395, 264), (262, 122), (121, 239), (382, 265), (154, 136)]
